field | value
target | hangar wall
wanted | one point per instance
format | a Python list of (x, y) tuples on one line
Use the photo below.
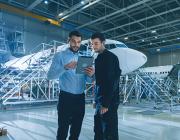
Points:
[(36, 32), (160, 59)]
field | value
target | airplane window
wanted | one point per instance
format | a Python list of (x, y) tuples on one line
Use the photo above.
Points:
[(121, 45), (110, 46), (85, 50), (83, 47), (107, 46)]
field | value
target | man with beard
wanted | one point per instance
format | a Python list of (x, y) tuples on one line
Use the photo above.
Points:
[(71, 106), (107, 73)]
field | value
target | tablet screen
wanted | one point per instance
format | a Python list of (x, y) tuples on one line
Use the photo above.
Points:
[(83, 62)]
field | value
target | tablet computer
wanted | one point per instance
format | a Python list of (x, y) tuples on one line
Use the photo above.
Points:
[(83, 62)]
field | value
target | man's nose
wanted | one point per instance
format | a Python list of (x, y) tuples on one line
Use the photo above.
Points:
[(76, 43)]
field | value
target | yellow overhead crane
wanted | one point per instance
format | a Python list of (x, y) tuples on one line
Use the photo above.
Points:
[(28, 14)]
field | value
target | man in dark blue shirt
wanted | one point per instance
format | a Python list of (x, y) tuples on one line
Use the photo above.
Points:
[(107, 73)]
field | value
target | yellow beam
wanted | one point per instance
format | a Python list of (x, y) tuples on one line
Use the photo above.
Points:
[(28, 14)]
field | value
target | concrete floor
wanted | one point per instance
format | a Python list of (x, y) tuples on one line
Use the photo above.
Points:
[(134, 124)]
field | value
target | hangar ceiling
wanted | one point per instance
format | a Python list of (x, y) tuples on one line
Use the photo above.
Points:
[(143, 23)]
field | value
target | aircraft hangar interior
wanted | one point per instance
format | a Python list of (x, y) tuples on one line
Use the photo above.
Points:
[(90, 69)]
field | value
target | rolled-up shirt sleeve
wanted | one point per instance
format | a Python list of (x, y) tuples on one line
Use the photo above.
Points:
[(57, 68)]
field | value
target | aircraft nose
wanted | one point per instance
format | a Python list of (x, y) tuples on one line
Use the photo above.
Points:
[(129, 59), (134, 60), (142, 59)]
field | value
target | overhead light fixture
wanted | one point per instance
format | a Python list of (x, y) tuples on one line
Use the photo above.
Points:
[(178, 38), (150, 43), (155, 37), (60, 14), (82, 2), (163, 41), (153, 31), (158, 50), (142, 40), (46, 1), (126, 38)]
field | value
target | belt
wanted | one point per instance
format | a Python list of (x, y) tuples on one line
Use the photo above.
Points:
[(64, 93)]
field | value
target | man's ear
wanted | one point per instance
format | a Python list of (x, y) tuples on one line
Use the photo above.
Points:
[(68, 40), (103, 42)]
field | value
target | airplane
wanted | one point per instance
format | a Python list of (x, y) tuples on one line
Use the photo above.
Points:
[(129, 59), (157, 71)]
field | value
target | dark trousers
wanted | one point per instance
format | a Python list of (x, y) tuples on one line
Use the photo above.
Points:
[(106, 125), (71, 110)]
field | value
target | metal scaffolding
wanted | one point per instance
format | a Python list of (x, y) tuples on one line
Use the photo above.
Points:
[(29, 84), (138, 87)]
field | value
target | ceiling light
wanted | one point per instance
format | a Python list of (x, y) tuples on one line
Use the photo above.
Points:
[(82, 2), (126, 38), (156, 37), (163, 41), (153, 31), (46, 1), (150, 43), (60, 14), (142, 40), (157, 50), (178, 38)]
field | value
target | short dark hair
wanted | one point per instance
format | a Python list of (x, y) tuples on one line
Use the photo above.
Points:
[(75, 33), (98, 35)]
